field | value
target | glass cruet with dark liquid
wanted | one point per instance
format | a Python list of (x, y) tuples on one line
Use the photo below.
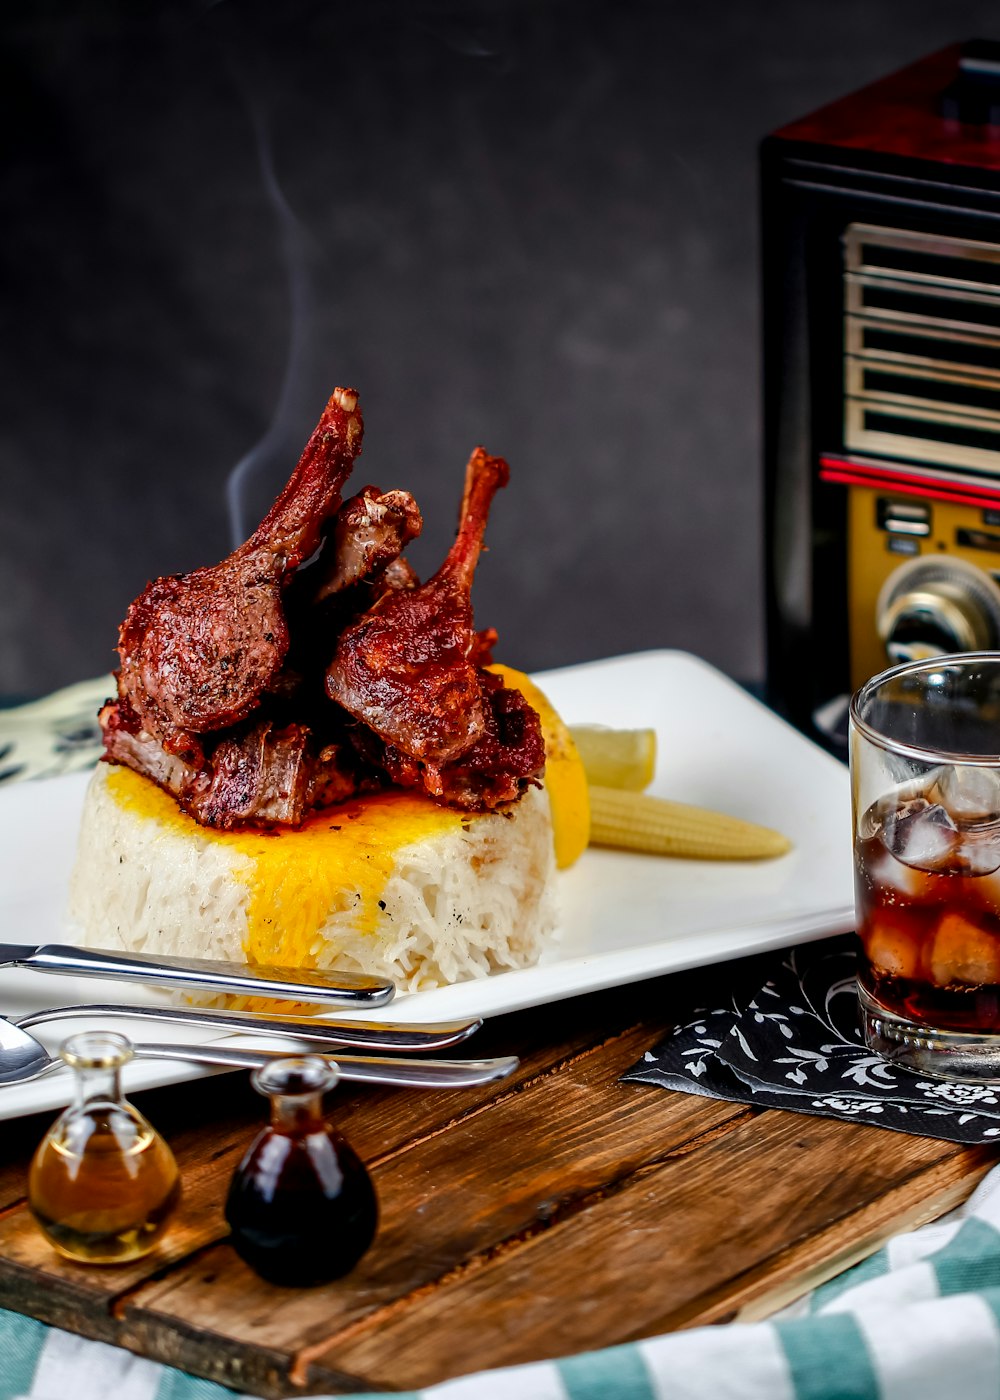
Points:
[(301, 1206), (103, 1182)]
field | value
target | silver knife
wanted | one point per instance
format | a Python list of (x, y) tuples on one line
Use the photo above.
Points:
[(201, 974)]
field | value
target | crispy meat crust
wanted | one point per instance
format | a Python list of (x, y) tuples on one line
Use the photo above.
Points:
[(256, 691)]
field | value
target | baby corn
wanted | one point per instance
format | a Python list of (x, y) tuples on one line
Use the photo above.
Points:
[(634, 822)]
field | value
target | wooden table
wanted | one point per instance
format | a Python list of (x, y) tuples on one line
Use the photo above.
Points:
[(556, 1212)]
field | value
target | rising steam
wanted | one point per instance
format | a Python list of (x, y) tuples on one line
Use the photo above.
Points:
[(280, 443)]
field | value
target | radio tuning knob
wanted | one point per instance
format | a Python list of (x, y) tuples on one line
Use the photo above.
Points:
[(935, 606)]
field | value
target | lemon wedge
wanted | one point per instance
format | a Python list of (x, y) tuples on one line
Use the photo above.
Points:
[(616, 758), (565, 778)]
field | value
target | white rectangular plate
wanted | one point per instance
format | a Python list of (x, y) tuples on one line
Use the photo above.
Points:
[(624, 917)]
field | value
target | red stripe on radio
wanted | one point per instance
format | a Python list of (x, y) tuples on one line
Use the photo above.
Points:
[(846, 473)]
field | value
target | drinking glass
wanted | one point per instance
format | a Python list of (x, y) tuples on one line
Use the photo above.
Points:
[(925, 785)]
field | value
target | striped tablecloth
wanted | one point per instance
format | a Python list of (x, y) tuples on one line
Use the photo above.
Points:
[(920, 1320)]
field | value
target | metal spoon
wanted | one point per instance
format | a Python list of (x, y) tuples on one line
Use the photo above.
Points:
[(23, 1058), (21, 1055)]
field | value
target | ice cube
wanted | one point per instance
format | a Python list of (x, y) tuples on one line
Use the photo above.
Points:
[(892, 942), (922, 835), (969, 793), (886, 878), (892, 806), (979, 851), (963, 952)]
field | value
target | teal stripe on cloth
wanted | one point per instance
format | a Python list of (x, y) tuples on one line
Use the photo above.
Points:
[(873, 1267), (21, 1342), (970, 1261), (991, 1297), (617, 1374), (827, 1356)]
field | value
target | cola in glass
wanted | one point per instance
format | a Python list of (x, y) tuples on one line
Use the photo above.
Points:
[(927, 868)]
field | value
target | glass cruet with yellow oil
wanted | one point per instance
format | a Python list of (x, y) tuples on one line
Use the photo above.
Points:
[(103, 1183)]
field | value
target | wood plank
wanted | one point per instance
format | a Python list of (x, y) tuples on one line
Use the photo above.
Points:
[(787, 1286), (557, 1211), (15, 1158), (34, 1279), (379, 1122), (685, 1242), (443, 1200)]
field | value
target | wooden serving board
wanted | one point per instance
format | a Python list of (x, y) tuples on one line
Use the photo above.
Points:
[(556, 1212)]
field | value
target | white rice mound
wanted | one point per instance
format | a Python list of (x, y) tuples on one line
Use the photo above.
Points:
[(461, 904)]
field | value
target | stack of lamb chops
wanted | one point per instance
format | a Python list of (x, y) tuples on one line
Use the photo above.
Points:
[(258, 690)]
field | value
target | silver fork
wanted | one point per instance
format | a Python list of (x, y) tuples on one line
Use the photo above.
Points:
[(364, 1035), (23, 1059)]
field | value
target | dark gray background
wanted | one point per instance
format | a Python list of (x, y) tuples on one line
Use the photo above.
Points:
[(528, 225)]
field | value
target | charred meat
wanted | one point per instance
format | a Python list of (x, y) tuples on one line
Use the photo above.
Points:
[(312, 664), (198, 650), (405, 668)]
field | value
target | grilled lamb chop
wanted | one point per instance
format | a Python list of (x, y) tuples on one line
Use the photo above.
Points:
[(258, 774), (498, 767), (274, 774), (360, 560), (408, 670), (198, 650), (226, 697), (403, 669), (369, 533), (126, 742)]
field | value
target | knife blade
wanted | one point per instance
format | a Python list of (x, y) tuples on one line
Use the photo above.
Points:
[(201, 974)]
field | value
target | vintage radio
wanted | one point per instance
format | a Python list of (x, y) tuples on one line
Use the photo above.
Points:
[(881, 275)]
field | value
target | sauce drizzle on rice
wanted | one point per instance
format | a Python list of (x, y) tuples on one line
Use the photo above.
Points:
[(389, 884), (296, 878)]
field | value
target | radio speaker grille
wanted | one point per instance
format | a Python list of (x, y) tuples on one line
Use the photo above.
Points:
[(922, 348)]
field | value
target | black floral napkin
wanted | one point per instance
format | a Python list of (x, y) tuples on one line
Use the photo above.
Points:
[(795, 1042)]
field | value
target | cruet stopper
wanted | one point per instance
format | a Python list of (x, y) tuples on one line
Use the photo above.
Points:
[(103, 1182), (301, 1207)]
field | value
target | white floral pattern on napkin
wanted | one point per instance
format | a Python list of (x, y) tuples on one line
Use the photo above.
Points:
[(795, 1042), (59, 734)]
